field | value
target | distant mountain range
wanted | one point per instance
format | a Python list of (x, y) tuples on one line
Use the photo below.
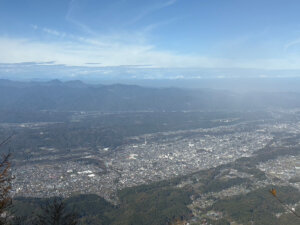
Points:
[(78, 96)]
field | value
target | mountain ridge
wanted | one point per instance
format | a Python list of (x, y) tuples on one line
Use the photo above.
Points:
[(79, 96)]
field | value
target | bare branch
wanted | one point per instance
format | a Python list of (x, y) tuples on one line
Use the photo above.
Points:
[(6, 140)]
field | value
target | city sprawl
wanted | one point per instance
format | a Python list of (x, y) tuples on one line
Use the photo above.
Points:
[(152, 157)]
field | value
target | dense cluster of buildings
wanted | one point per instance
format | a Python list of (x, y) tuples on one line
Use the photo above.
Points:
[(155, 157), (286, 168)]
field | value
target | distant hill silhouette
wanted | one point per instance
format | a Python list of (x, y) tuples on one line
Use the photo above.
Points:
[(78, 96)]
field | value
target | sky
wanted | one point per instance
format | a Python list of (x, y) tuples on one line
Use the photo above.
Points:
[(152, 39)]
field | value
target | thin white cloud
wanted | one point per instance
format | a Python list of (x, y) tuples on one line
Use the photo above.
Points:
[(49, 31), (169, 3), (134, 36), (291, 44), (79, 53), (69, 17), (82, 51), (154, 26), (153, 8), (54, 32), (34, 26)]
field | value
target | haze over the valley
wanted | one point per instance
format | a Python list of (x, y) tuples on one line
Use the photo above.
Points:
[(150, 112)]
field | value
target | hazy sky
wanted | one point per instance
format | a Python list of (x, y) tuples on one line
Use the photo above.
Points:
[(138, 36)]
